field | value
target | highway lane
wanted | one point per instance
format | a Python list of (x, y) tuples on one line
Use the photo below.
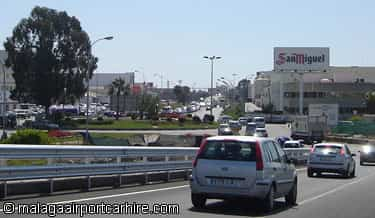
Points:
[(329, 196)]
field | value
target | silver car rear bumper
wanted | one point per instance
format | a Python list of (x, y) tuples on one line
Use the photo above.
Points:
[(258, 190)]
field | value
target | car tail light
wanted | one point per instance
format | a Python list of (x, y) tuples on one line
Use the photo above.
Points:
[(203, 143), (258, 156), (342, 152), (312, 149)]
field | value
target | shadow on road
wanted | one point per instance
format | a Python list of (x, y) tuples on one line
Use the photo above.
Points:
[(250, 208), (332, 176)]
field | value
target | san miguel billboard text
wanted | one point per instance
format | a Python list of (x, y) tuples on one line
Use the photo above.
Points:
[(301, 59)]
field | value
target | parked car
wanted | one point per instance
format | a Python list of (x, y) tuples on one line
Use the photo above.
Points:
[(239, 166), (292, 144), (44, 125), (250, 129), (331, 158), (109, 113), (235, 125), (224, 119), (224, 129), (243, 120), (261, 132), (260, 122), (367, 154)]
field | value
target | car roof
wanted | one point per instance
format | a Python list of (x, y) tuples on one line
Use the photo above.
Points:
[(330, 144), (238, 138), (283, 137), (292, 141)]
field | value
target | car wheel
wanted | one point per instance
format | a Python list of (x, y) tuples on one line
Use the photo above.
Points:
[(310, 173), (352, 175), (199, 201), (291, 198), (269, 200), (346, 173)]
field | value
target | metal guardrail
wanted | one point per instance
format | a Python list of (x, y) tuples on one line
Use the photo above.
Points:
[(87, 161), (73, 161)]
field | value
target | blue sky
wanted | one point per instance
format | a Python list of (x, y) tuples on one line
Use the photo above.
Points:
[(171, 36)]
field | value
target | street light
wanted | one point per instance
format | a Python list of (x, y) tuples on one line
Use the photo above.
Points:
[(212, 58), (88, 85), (4, 135)]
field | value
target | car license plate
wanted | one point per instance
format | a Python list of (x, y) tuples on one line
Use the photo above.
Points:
[(224, 182), (326, 158)]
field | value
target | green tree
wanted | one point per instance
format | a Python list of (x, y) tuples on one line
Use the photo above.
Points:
[(49, 51), (182, 94), (149, 104), (118, 88)]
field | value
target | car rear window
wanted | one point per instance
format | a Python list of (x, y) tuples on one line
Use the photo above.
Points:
[(229, 150), (291, 145), (259, 119), (261, 130), (327, 149)]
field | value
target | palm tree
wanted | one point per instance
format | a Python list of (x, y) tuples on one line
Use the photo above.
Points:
[(118, 88)]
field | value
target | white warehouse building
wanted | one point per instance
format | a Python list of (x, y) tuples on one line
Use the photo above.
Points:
[(308, 69)]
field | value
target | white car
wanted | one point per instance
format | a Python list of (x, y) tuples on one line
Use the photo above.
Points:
[(331, 158), (228, 167), (260, 121), (260, 132), (292, 144)]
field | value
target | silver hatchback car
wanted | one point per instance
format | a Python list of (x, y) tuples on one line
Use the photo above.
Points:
[(331, 158), (242, 166)]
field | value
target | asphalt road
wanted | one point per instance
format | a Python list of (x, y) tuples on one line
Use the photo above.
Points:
[(328, 196)]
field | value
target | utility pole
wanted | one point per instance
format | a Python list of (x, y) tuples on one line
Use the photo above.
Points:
[(212, 58)]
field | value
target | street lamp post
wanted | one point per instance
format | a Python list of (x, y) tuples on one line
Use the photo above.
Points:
[(4, 135), (212, 58), (88, 86)]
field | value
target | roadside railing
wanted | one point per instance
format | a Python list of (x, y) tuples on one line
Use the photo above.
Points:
[(30, 162)]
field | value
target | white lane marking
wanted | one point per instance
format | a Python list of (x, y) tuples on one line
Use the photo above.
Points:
[(114, 196), (333, 190)]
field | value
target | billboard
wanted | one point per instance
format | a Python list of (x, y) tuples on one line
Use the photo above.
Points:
[(300, 58), (330, 111)]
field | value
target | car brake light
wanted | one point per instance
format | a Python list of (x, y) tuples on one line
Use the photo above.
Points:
[(258, 156), (342, 151), (203, 144)]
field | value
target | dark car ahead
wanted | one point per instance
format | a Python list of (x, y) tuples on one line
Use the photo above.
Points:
[(282, 139), (367, 154)]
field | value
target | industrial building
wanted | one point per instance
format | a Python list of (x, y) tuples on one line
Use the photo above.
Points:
[(307, 71)]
